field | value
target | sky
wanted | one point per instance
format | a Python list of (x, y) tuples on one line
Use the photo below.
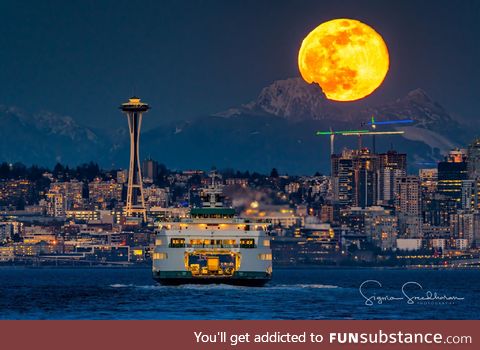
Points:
[(193, 58)]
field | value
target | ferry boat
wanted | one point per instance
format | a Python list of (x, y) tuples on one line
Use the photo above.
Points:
[(212, 245)]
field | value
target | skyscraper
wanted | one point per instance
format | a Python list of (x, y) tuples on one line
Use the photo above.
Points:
[(473, 156), (407, 205), (354, 174), (343, 178), (365, 180), (451, 174), (134, 110), (407, 195), (391, 165)]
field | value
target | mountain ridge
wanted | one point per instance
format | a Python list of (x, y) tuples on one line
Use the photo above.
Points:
[(277, 129)]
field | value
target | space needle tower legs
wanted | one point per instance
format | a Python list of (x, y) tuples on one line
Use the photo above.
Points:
[(134, 110)]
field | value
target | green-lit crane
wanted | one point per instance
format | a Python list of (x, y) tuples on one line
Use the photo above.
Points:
[(358, 133)]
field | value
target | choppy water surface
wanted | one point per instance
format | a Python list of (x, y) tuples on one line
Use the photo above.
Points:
[(108, 293)]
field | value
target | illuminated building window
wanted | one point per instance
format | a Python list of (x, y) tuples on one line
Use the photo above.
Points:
[(160, 256), (247, 243), (177, 243), (138, 252), (265, 256)]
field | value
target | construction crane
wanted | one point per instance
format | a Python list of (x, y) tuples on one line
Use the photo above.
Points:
[(332, 134), (358, 133), (373, 133), (373, 124)]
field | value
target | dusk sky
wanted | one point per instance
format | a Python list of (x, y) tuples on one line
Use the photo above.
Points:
[(83, 58)]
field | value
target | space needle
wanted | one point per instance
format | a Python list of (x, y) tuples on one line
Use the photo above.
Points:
[(134, 110)]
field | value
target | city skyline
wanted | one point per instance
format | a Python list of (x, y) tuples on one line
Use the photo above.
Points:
[(369, 198), (382, 200)]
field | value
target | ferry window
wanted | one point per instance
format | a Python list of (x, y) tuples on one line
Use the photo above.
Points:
[(266, 243), (158, 241), (265, 256), (227, 243), (247, 243), (196, 242), (159, 256), (177, 242)]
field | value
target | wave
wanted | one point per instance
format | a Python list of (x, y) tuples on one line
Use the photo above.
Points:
[(304, 286), (119, 285), (226, 286)]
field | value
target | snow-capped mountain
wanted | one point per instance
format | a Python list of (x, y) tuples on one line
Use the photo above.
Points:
[(45, 138), (277, 129), (291, 99), (417, 105)]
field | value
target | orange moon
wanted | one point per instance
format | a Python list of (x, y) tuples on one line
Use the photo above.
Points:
[(346, 57)]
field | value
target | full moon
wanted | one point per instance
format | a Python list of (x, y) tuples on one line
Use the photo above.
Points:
[(346, 57)]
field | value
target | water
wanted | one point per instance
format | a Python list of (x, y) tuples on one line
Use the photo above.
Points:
[(110, 293)]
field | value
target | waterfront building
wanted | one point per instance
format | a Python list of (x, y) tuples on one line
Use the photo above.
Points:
[(409, 244), (7, 254), (461, 244), (372, 224), (9, 230), (462, 226), (320, 233), (381, 226), (438, 244)]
